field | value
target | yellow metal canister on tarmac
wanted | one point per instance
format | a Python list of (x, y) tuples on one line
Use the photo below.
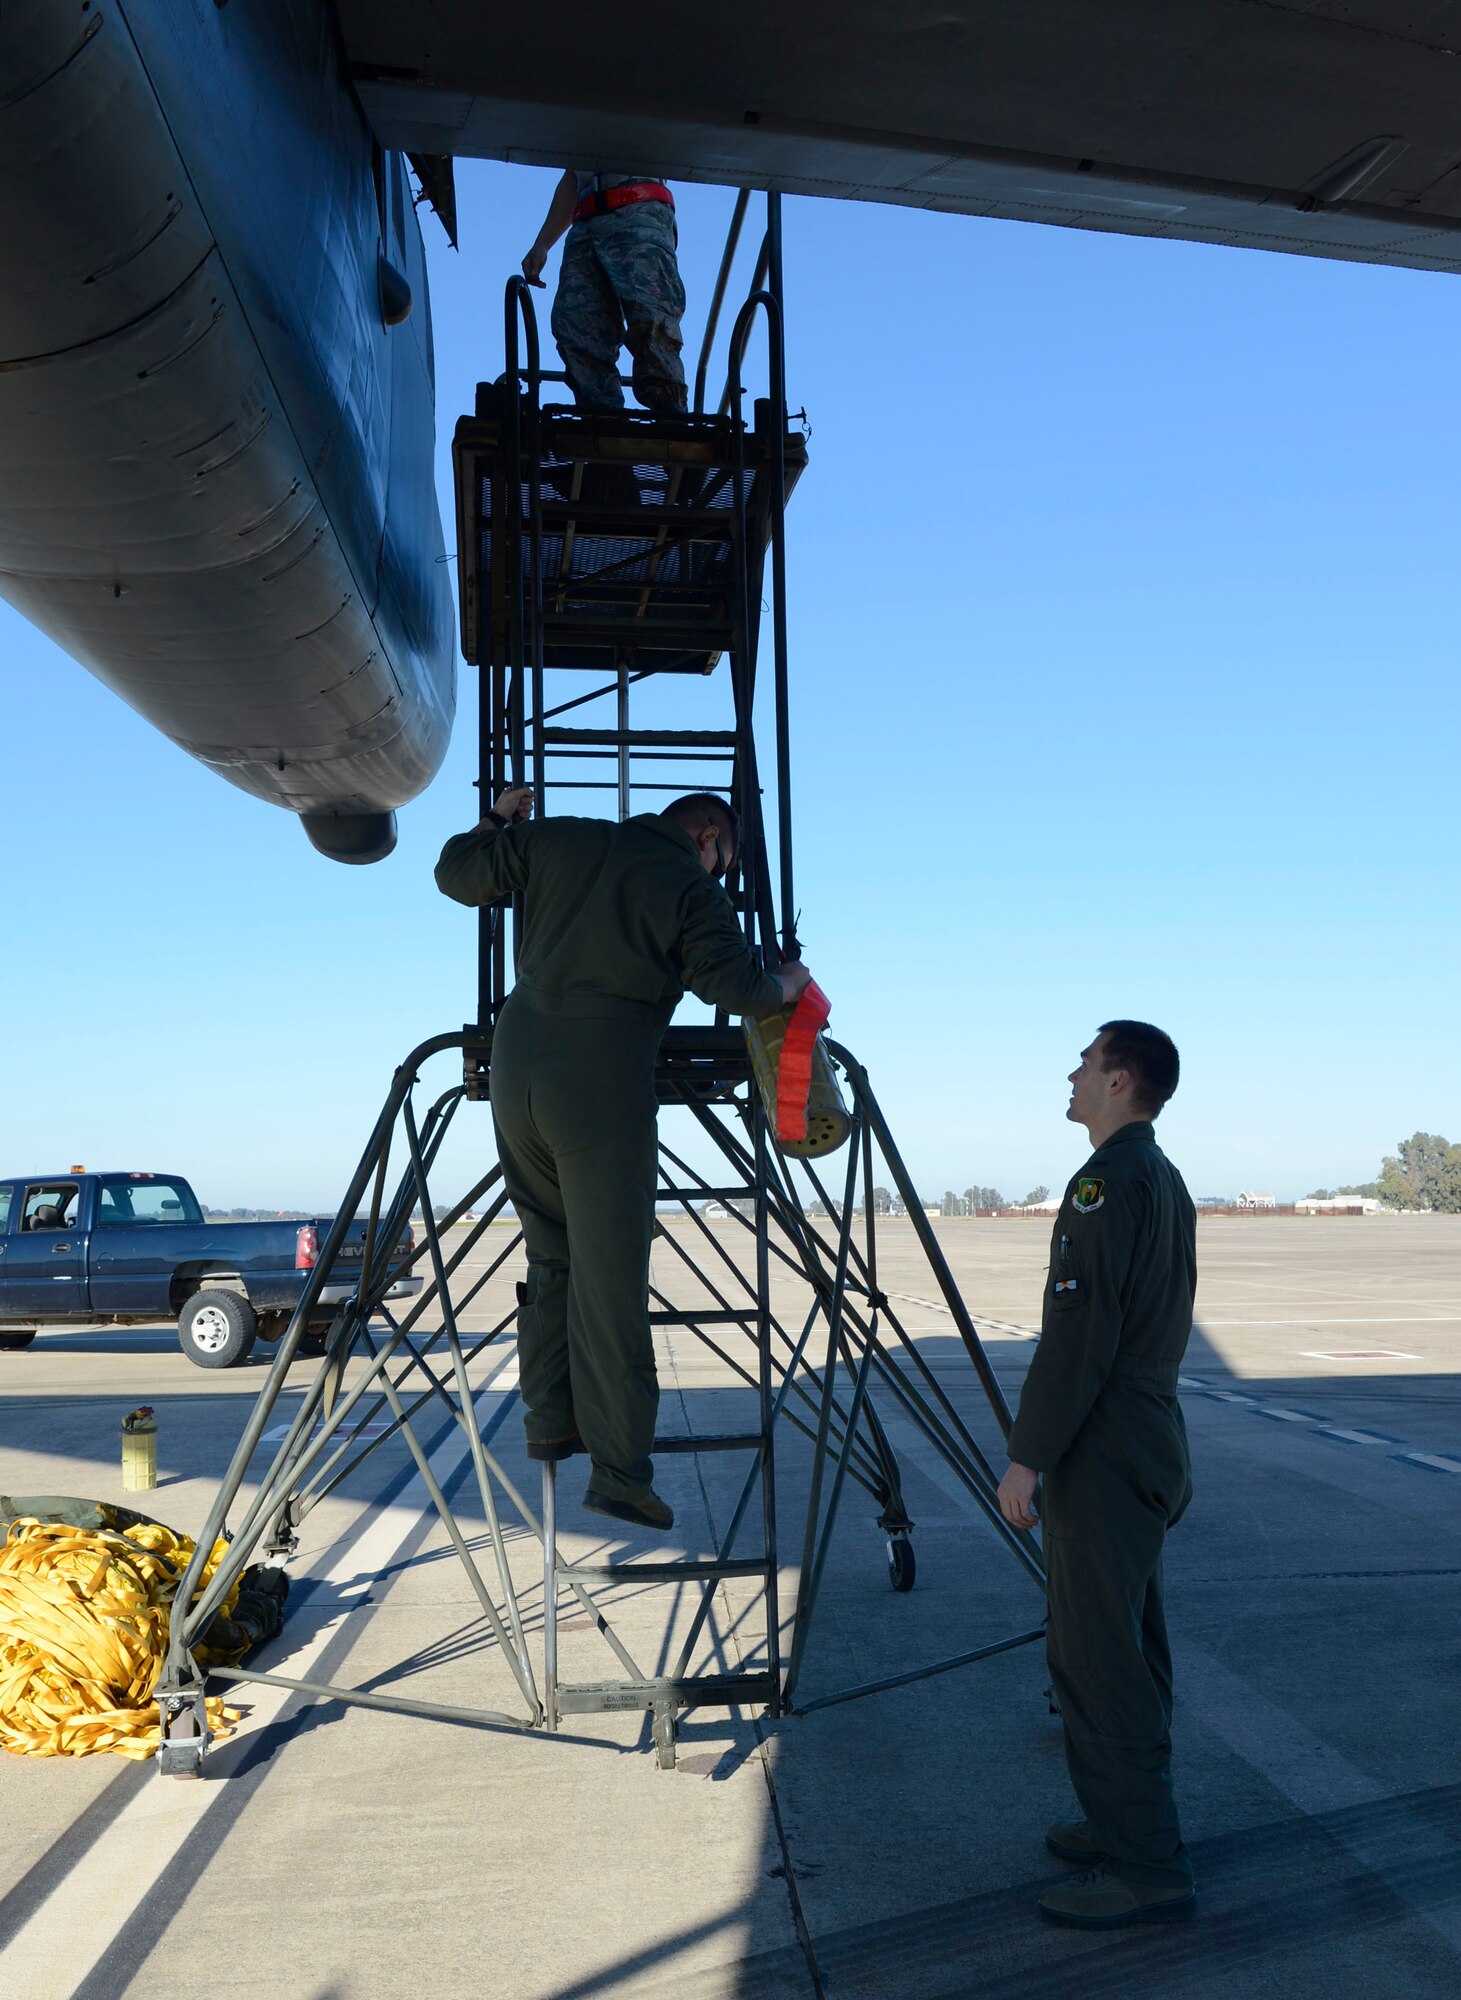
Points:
[(139, 1450)]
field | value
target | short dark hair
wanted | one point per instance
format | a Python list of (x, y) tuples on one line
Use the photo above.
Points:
[(697, 810), (1149, 1055)]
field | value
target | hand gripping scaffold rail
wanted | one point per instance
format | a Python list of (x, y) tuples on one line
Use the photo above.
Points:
[(606, 558)]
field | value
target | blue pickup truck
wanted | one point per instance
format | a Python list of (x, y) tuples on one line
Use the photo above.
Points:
[(81, 1249)]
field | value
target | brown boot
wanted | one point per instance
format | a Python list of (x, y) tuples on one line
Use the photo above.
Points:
[(1100, 1901), (646, 1509)]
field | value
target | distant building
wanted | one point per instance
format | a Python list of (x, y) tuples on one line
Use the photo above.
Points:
[(1252, 1200), (1211, 1201), (1338, 1204)]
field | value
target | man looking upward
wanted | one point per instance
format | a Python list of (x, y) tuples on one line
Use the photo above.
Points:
[(617, 920), (1099, 1419)]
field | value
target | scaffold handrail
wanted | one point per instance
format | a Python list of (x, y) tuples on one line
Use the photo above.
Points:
[(717, 296), (768, 302)]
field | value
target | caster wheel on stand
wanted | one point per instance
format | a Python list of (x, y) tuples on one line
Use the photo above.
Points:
[(664, 1738), (902, 1565)]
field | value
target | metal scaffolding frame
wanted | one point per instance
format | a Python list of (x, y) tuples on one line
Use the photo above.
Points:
[(627, 548)]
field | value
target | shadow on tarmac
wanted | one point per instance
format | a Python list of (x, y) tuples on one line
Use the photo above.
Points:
[(1286, 1909), (1268, 1896)]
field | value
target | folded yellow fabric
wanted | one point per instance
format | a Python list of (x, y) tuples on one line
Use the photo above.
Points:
[(83, 1634)]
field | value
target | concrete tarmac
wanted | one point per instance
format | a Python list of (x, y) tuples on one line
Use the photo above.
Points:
[(888, 1847)]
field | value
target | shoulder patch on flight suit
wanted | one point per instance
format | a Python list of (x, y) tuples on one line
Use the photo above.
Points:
[(1089, 1196)]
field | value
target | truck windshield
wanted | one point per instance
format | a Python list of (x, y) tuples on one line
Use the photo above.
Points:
[(125, 1198)]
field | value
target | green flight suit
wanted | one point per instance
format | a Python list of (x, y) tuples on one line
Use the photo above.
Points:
[(617, 921), (1099, 1418)]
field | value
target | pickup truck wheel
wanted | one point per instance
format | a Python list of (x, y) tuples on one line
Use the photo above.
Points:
[(17, 1339), (217, 1329)]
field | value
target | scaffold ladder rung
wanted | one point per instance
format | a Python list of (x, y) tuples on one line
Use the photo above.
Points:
[(729, 1441), (649, 739), (694, 1319), (678, 1571), (715, 1690)]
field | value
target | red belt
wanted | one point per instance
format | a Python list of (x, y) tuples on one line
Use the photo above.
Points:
[(602, 201), (794, 1071)]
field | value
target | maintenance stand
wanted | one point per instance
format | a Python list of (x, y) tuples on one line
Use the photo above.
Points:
[(610, 562)]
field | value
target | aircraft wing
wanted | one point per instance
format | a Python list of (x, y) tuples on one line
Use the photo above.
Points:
[(1324, 127)]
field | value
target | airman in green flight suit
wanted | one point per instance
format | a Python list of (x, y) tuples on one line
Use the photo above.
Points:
[(617, 921), (1099, 1421)]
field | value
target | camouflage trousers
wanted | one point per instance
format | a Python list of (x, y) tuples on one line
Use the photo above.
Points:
[(620, 287)]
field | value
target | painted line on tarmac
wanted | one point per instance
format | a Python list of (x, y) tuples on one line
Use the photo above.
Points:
[(1394, 1448), (370, 1433), (1011, 1329), (1313, 1776), (64, 1941), (1357, 1354), (1398, 1450), (981, 1320), (1379, 1319)]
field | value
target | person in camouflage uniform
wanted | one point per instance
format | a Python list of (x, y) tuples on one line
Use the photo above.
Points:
[(619, 286)]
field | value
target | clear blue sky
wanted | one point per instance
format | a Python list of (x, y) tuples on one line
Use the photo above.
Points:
[(1124, 639)]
